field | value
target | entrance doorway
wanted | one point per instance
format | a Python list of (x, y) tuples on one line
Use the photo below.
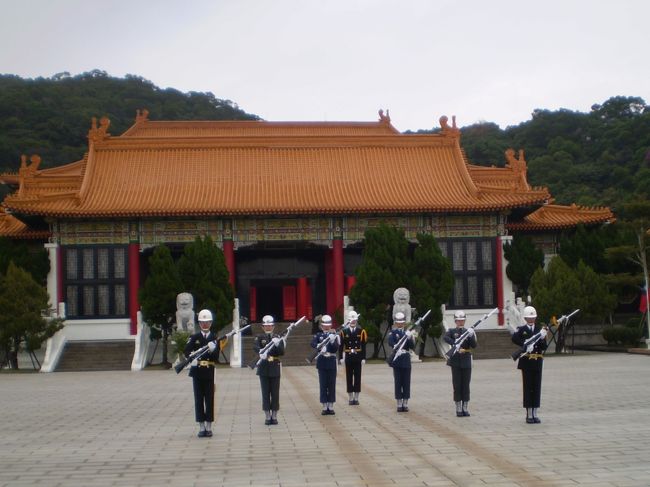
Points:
[(269, 301)]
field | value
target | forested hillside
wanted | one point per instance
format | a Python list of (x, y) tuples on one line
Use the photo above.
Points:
[(596, 158), (51, 116)]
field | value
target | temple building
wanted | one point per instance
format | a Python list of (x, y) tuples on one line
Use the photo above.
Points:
[(287, 202)]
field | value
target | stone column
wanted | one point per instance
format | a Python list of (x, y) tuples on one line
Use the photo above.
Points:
[(53, 290)]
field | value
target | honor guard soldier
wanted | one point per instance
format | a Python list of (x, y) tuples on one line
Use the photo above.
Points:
[(202, 372), (269, 369), (461, 362), (531, 362), (327, 341), (353, 353), (401, 341)]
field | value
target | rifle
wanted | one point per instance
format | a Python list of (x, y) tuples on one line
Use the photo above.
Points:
[(321, 347), (397, 348), (457, 343), (197, 354), (270, 346), (522, 352)]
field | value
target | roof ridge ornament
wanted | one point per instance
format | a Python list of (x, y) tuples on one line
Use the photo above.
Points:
[(384, 118), (518, 166), (27, 172), (453, 131), (97, 134), (141, 116)]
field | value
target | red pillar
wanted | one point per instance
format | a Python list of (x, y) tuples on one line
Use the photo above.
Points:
[(499, 265), (329, 283), (350, 281), (302, 296), (337, 273), (134, 285), (229, 256)]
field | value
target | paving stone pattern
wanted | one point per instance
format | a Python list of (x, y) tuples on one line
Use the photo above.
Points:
[(136, 429)]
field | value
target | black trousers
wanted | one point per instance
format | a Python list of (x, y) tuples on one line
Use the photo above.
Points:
[(327, 382), (532, 382), (461, 378), (353, 376), (270, 393), (402, 377), (203, 399)]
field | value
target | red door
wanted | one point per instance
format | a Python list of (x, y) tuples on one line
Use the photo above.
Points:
[(289, 302), (253, 304)]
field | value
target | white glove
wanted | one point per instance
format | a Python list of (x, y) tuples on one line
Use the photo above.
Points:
[(530, 348), (212, 346), (409, 333), (544, 332), (333, 337), (363, 361), (264, 356), (471, 332), (276, 341), (342, 361), (194, 363)]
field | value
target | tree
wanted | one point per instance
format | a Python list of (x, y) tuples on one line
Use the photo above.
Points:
[(158, 296), (559, 290), (384, 268), (203, 272), (637, 220), (24, 304), (33, 259), (431, 283), (586, 245), (523, 260)]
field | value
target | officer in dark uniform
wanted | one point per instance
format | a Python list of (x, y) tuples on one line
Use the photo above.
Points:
[(202, 372), (531, 363), (353, 348), (269, 369), (402, 362), (326, 363), (461, 362)]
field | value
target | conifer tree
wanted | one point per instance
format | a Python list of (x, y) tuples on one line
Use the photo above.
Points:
[(523, 260), (204, 274), (431, 283), (384, 268), (22, 323), (158, 296), (558, 290)]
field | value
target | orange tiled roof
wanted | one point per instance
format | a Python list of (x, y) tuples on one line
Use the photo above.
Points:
[(254, 168), (13, 228), (551, 217)]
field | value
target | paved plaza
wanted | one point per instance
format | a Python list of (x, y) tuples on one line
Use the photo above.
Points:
[(137, 429)]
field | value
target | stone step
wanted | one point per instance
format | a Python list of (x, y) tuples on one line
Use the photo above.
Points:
[(96, 355), (493, 344)]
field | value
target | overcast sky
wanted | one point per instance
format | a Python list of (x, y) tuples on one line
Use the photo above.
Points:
[(337, 60)]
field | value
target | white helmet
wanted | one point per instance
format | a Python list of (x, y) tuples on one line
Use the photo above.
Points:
[(205, 315), (353, 316), (268, 320), (459, 315), (530, 312), (399, 317), (326, 320)]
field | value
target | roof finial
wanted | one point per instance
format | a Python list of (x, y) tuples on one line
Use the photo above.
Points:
[(382, 117), (95, 133), (446, 129), (141, 116)]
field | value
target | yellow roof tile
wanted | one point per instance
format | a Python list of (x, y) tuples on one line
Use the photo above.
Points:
[(557, 216)]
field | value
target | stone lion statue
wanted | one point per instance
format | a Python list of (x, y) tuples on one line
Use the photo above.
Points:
[(185, 312), (402, 298)]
